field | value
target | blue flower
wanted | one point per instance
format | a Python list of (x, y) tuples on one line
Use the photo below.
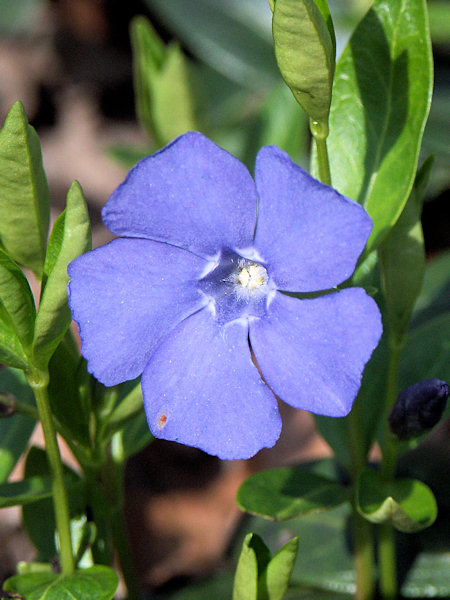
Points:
[(193, 286)]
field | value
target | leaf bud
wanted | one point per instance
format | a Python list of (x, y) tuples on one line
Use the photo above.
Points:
[(418, 408)]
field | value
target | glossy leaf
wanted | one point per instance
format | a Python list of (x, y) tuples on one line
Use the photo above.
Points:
[(403, 260), (254, 557), (287, 492), (260, 577), (95, 583), (71, 236), (408, 504), (25, 491), (324, 559), (15, 431), (274, 581), (24, 195), (381, 98), (305, 54), (17, 311)]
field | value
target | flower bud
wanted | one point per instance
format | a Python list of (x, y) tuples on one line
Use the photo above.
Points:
[(418, 408), (7, 405)]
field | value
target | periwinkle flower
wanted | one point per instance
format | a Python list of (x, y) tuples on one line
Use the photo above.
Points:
[(195, 283)]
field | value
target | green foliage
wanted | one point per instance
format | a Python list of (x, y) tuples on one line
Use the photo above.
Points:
[(15, 431), (325, 560), (305, 51), (25, 491), (126, 410), (260, 577), (228, 36), (403, 260), (70, 237), (17, 313), (95, 583), (24, 195), (427, 352), (164, 103), (408, 504), (38, 516), (287, 492), (381, 98)]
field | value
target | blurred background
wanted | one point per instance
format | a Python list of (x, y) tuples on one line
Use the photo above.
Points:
[(205, 65)]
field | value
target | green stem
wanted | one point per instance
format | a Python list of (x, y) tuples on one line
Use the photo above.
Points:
[(364, 557), (386, 545), (112, 476), (319, 130), (362, 529), (38, 381)]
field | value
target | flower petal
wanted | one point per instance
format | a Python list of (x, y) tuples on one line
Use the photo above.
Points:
[(312, 352), (126, 296), (309, 235), (202, 389), (191, 194)]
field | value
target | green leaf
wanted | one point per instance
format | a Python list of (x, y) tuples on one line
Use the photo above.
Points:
[(24, 195), (70, 386), (71, 236), (434, 298), (408, 504), (278, 572), (127, 409), (148, 56), (95, 583), (403, 260), (253, 561), (164, 102), (429, 576), (287, 492), (173, 105), (381, 98), (324, 9), (229, 36), (305, 53), (15, 431), (427, 352), (246, 579), (38, 517), (17, 311), (25, 491), (325, 560), (279, 121)]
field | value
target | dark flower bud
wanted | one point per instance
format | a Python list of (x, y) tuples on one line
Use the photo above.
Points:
[(418, 408), (7, 405)]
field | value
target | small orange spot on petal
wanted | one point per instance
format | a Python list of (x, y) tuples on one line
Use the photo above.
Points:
[(162, 421)]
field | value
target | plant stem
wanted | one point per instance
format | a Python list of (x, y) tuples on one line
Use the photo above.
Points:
[(364, 557), (112, 476), (38, 381), (386, 545), (362, 529), (320, 131)]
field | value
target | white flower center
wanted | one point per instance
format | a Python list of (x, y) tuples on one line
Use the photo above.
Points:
[(251, 275)]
